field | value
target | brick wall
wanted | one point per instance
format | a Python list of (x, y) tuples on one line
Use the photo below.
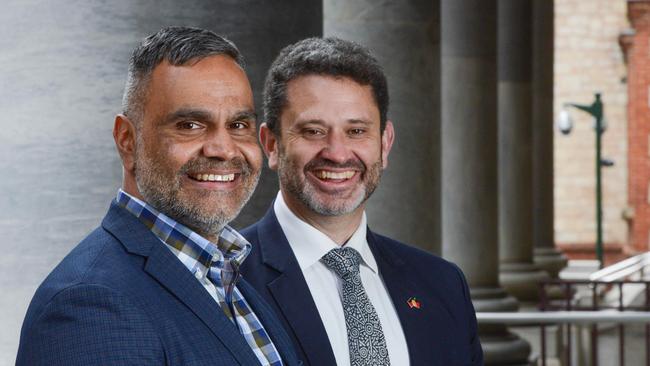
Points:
[(588, 59), (637, 47)]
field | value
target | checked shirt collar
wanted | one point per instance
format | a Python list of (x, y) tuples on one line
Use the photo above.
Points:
[(199, 255), (218, 262)]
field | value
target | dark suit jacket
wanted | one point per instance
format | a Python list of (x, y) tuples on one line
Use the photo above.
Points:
[(442, 332), (122, 298)]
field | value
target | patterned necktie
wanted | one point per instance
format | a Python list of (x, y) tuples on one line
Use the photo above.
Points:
[(365, 338)]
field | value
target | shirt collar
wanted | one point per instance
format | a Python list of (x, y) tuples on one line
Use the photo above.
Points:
[(192, 249), (309, 244)]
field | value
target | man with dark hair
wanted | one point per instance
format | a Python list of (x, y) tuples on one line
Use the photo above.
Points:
[(157, 282), (347, 295)]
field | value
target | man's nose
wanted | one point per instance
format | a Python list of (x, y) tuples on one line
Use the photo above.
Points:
[(219, 144), (337, 148)]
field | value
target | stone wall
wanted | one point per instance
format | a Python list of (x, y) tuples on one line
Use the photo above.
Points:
[(637, 49)]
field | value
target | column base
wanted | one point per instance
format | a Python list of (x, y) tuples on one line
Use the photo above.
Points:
[(500, 347), (521, 280), (506, 349), (550, 259)]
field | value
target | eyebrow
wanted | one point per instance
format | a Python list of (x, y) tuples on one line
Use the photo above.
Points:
[(359, 121), (309, 122), (354, 121), (245, 115), (189, 113), (204, 115)]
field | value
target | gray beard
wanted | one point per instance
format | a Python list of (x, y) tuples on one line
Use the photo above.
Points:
[(307, 195), (165, 196)]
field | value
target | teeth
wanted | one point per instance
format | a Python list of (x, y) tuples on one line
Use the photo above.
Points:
[(324, 174), (215, 177)]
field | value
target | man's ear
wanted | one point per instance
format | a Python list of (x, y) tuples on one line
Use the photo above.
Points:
[(270, 145), (387, 139), (124, 136)]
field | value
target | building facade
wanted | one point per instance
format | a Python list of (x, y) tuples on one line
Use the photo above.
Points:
[(588, 59)]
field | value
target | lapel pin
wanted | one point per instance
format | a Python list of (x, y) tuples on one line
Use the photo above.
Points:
[(413, 303)]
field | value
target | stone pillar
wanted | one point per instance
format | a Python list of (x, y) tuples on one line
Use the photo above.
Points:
[(404, 36), (469, 164), (63, 68), (518, 275), (546, 256)]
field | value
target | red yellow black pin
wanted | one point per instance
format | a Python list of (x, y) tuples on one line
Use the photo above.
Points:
[(413, 303)]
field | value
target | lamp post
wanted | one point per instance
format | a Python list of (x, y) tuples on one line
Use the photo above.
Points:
[(565, 124)]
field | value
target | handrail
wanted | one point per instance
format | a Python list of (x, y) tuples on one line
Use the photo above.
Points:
[(622, 269), (563, 317), (610, 303)]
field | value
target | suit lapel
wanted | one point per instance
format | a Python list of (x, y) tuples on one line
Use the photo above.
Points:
[(419, 325), (291, 293), (164, 267), (172, 275)]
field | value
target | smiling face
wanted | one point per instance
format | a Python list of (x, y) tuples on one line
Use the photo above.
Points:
[(331, 152), (196, 157)]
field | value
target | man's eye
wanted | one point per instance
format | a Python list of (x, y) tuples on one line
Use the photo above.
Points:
[(238, 125), (312, 132), (188, 125), (357, 131)]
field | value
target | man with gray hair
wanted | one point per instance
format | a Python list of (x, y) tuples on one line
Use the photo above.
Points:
[(347, 295), (158, 282)]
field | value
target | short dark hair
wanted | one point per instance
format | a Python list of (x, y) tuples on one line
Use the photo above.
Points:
[(322, 56), (176, 45)]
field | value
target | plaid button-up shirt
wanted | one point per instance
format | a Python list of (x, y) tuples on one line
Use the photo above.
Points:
[(216, 267)]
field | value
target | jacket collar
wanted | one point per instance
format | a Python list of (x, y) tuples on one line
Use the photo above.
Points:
[(164, 267)]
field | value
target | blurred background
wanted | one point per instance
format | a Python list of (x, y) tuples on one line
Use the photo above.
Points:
[(480, 174)]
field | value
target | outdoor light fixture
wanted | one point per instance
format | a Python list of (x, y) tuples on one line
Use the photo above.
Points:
[(564, 122), (565, 125)]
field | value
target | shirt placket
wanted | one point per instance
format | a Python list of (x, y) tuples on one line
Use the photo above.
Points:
[(229, 276)]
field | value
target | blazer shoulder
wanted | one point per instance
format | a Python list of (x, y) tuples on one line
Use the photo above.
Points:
[(80, 262), (425, 263), (89, 324), (412, 253), (99, 259)]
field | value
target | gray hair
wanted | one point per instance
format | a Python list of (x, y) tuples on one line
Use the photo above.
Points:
[(322, 56), (176, 45)]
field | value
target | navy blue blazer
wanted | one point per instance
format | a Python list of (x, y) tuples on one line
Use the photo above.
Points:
[(122, 298), (442, 332)]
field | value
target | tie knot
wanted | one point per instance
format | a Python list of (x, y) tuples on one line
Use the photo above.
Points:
[(343, 261)]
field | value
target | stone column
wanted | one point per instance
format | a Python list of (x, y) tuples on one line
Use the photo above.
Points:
[(469, 164), (404, 36), (62, 71), (546, 256), (518, 275)]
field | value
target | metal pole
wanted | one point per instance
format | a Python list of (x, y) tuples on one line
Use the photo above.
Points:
[(621, 328), (594, 327), (599, 191), (568, 326), (647, 326), (596, 110)]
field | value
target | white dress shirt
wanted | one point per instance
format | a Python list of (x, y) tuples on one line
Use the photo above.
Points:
[(309, 245)]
